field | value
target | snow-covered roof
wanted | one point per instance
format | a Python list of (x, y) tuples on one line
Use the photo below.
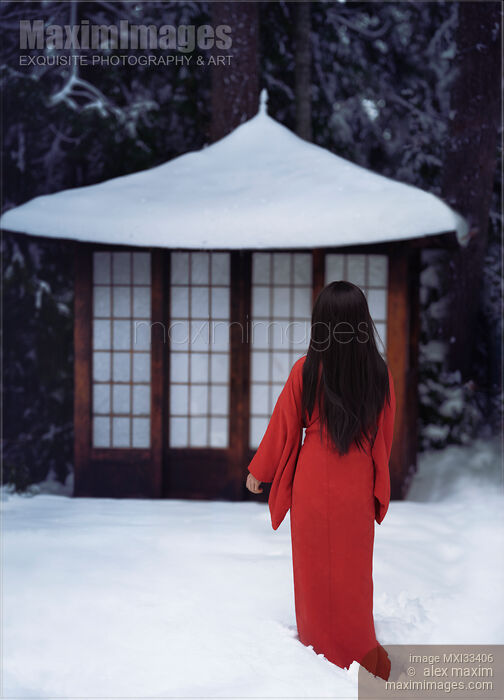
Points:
[(259, 187)]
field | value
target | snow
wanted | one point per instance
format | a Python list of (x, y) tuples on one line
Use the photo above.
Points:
[(173, 598), (259, 187)]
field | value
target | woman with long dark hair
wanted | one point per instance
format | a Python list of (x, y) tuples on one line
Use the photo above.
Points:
[(336, 482)]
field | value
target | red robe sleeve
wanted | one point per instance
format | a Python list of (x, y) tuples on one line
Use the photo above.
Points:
[(276, 456), (381, 454)]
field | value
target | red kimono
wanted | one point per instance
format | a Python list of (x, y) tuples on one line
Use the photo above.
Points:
[(334, 502)]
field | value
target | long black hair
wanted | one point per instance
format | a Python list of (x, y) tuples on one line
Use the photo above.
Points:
[(344, 371)]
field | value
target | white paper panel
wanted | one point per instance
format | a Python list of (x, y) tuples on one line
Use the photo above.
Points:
[(200, 268), (101, 366), (198, 399), (121, 402), (356, 269), (141, 268), (121, 367), (179, 335), (121, 268), (200, 335), (258, 427), (219, 400), (101, 398), (200, 303), (259, 332), (261, 267), (120, 432), (101, 431), (121, 335), (220, 268), (281, 302), (101, 335), (219, 367), (179, 367), (141, 432), (179, 399), (122, 301), (302, 302), (141, 334), (218, 432), (334, 267), (260, 366), (281, 268), (179, 268), (260, 399), (261, 302), (141, 399), (178, 432), (101, 301), (141, 302), (377, 302), (220, 302), (198, 429), (179, 300), (101, 268), (279, 335), (199, 367), (141, 367), (377, 270), (303, 268), (219, 336)]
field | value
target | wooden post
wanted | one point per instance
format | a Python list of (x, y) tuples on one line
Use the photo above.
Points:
[(241, 271), (83, 478), (403, 457), (158, 355), (412, 376)]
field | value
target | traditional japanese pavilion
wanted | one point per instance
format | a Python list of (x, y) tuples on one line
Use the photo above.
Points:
[(193, 289)]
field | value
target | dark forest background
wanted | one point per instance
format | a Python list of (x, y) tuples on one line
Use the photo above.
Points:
[(411, 90)]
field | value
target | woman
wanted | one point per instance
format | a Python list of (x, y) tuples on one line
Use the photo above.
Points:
[(336, 483)]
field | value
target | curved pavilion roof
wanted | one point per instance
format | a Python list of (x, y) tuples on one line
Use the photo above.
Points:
[(259, 187)]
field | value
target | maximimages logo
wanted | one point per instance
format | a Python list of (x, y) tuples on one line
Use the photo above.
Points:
[(184, 38)]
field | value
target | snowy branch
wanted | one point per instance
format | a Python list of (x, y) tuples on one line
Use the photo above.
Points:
[(360, 30)]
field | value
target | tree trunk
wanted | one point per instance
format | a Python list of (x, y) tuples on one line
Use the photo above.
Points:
[(303, 71), (235, 87), (470, 163)]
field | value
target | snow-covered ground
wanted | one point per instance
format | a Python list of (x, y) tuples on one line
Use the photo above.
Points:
[(135, 598)]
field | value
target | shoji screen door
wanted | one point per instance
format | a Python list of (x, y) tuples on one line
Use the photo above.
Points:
[(280, 329), (199, 350), (121, 359)]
